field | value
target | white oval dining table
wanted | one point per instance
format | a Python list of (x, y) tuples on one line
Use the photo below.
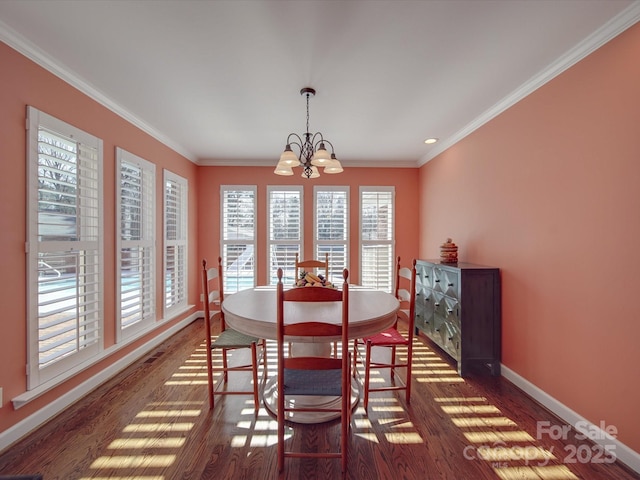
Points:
[(253, 312)]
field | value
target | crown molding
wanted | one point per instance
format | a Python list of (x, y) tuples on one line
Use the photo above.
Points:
[(617, 25), (214, 162)]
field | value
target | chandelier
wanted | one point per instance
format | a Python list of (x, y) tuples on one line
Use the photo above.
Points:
[(312, 151)]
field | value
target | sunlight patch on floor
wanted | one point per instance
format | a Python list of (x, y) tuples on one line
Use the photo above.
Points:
[(370, 436), (134, 461), (500, 436), (468, 409), (441, 380), (404, 438), (168, 413), (140, 443), (551, 472), (158, 427), (469, 422)]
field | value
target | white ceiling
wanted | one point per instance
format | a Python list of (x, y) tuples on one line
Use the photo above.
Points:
[(219, 81)]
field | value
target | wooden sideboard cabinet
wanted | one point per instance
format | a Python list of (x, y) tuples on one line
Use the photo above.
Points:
[(458, 308)]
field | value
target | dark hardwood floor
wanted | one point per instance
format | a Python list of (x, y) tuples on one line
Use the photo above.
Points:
[(152, 422)]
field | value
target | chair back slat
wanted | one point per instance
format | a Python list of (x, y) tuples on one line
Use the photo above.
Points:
[(312, 329), (312, 294), (307, 265)]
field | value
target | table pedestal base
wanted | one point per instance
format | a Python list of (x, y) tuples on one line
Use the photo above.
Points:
[(271, 404)]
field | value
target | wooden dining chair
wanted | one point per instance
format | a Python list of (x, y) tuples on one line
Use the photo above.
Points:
[(391, 339), (306, 265), (227, 341), (312, 375)]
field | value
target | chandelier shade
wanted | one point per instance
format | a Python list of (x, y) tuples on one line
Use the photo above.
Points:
[(289, 158), (312, 151)]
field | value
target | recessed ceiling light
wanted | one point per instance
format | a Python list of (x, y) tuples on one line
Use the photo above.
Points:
[(429, 141)]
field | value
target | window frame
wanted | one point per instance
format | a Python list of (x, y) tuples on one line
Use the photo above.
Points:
[(180, 244), (89, 275), (336, 266), (364, 275), (251, 243), (288, 265), (145, 243)]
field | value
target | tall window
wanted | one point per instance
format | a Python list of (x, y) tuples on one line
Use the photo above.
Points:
[(238, 239), (175, 242), (285, 231), (377, 236), (332, 228), (135, 246), (65, 229)]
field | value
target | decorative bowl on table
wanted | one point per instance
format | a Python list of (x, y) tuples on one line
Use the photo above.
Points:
[(307, 279)]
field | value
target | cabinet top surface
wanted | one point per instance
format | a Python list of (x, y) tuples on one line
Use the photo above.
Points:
[(458, 265)]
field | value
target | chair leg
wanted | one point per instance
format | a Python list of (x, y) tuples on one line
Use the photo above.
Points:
[(225, 375), (344, 441), (210, 381), (392, 370), (355, 358), (280, 417), (263, 344), (367, 371), (254, 363), (409, 367)]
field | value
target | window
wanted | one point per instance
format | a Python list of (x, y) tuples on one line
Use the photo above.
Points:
[(377, 237), (135, 199), (175, 243), (285, 231), (238, 239), (332, 228), (65, 229)]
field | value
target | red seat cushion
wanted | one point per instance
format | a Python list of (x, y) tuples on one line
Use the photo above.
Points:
[(390, 336)]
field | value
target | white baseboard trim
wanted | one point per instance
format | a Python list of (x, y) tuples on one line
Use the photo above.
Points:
[(623, 453), (35, 420)]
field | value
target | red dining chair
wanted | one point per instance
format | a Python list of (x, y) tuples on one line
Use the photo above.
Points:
[(391, 339), (228, 340), (312, 375)]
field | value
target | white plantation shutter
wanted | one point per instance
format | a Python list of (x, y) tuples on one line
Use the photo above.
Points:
[(285, 231), (175, 238), (332, 228), (65, 260), (136, 245), (238, 239), (377, 237)]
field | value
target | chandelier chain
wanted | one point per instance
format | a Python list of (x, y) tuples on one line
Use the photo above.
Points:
[(307, 114)]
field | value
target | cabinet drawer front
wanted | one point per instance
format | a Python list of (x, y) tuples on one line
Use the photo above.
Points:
[(446, 281), (451, 310), (424, 310), (424, 275), (451, 339)]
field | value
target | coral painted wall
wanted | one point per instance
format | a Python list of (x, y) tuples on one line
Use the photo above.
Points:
[(24, 83), (548, 192)]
